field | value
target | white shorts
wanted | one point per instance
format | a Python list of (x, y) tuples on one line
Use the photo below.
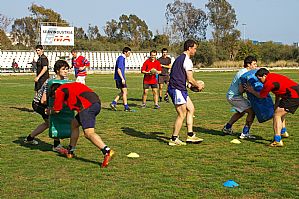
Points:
[(178, 97), (240, 104), (81, 79)]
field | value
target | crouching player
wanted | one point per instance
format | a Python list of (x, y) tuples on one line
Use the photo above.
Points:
[(39, 104), (82, 99), (286, 99)]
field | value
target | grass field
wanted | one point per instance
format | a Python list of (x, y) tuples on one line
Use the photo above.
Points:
[(192, 171)]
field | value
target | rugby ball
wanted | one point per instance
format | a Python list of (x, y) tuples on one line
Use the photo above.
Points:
[(153, 71), (195, 89)]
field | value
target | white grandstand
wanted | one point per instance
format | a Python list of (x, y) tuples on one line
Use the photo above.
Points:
[(99, 61)]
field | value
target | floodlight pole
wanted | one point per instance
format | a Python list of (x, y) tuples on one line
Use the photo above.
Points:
[(244, 33)]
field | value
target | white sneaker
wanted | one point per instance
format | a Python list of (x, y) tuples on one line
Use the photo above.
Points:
[(60, 149), (32, 142), (285, 135), (247, 136), (57, 149), (177, 142), (193, 139)]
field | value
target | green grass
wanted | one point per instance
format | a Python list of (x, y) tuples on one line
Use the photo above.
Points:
[(193, 171)]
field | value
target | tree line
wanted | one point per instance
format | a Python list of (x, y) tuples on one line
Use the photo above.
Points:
[(184, 21)]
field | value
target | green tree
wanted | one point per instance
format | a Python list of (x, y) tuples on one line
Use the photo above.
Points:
[(223, 19), (93, 32), (161, 40), (129, 29), (4, 22), (185, 21), (206, 53), (245, 49), (80, 33), (49, 16), (132, 28), (5, 43), (26, 30), (111, 29)]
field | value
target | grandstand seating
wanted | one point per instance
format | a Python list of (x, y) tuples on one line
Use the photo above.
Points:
[(99, 61)]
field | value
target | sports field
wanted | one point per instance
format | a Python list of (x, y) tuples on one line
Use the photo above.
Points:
[(161, 171)]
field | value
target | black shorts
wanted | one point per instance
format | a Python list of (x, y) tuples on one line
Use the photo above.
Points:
[(87, 117), (39, 83), (120, 85), (40, 109), (147, 86), (163, 79), (290, 105)]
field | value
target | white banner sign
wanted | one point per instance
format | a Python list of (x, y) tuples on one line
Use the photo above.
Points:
[(57, 36)]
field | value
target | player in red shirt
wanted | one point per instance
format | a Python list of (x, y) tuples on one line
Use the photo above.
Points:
[(82, 99), (150, 68), (286, 99), (80, 64)]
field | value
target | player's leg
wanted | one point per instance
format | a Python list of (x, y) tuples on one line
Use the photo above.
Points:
[(189, 116), (239, 104), (283, 131), (179, 100), (181, 114), (74, 136), (125, 98), (156, 96), (160, 91), (88, 120), (277, 126), (191, 138), (117, 97), (40, 109), (249, 120), (144, 95)]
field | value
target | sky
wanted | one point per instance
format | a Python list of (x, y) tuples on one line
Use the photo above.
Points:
[(260, 20)]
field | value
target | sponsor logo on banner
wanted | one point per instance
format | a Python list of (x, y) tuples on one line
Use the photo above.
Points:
[(57, 36)]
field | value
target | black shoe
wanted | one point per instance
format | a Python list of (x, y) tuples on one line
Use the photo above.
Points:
[(166, 98)]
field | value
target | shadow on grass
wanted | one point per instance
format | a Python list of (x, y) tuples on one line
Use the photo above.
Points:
[(149, 135), (258, 139), (46, 147), (207, 131), (135, 99), (42, 146), (120, 107), (23, 109)]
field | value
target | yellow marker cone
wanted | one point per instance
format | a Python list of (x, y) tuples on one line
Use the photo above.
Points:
[(235, 141), (133, 155)]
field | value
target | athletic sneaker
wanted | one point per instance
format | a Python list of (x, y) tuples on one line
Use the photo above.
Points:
[(107, 158), (127, 110), (285, 135), (157, 106), (278, 144), (166, 99), (60, 149), (193, 139), (246, 136), (113, 107), (32, 142), (177, 142), (143, 106), (227, 131)]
